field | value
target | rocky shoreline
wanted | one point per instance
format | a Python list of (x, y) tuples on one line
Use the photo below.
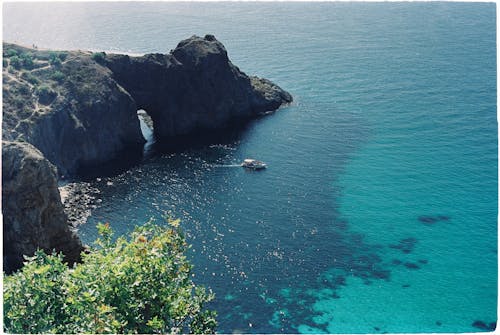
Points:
[(74, 110), (78, 199)]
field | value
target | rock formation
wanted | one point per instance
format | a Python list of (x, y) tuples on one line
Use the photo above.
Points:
[(73, 112), (80, 108), (195, 87), (33, 215)]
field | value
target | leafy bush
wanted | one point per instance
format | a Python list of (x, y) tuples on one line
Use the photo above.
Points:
[(62, 56), (54, 59), (57, 76), (15, 62), (9, 53), (99, 57), (136, 285), (30, 78), (24, 90), (27, 60), (22, 60)]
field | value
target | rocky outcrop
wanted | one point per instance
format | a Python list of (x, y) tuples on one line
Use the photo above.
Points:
[(80, 108), (195, 87), (33, 215), (72, 110)]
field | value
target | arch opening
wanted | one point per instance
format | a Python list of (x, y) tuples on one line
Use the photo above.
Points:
[(147, 129)]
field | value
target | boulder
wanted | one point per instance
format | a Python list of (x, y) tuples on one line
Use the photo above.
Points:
[(33, 215)]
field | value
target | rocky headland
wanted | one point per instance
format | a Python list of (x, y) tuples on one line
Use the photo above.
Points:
[(65, 111), (80, 108)]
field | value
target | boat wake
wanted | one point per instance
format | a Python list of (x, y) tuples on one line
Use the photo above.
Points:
[(228, 165)]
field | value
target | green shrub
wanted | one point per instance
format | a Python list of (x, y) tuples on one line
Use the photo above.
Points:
[(58, 76), (27, 60), (55, 58), (62, 56), (22, 60), (137, 285), (24, 90), (54, 61), (9, 53), (15, 62), (30, 78), (99, 57)]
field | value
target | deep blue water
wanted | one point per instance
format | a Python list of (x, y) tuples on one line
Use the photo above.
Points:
[(378, 212)]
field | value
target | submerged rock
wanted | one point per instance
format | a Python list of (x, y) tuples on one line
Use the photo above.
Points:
[(429, 220), (484, 326), (33, 215), (406, 245)]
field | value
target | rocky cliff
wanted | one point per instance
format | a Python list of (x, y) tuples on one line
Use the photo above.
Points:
[(80, 108), (71, 110), (33, 215), (195, 87)]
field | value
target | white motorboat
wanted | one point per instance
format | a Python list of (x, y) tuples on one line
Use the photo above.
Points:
[(253, 164)]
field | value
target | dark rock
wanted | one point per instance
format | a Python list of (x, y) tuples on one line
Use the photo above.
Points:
[(427, 219), (405, 245), (439, 323), (33, 215), (381, 274), (376, 328), (412, 266), (484, 326), (194, 88), (405, 285), (423, 261)]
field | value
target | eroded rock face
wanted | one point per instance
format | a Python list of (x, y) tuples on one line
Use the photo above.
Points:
[(73, 112), (195, 87), (33, 215)]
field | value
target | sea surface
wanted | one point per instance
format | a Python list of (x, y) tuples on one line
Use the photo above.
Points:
[(378, 210)]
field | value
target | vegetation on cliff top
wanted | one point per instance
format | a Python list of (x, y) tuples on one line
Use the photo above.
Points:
[(137, 285)]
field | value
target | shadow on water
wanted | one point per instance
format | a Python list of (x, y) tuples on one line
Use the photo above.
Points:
[(154, 147)]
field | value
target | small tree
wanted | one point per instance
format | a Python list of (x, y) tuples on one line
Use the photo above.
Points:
[(54, 59), (99, 57), (27, 60), (9, 53), (15, 62), (30, 78), (57, 76), (136, 285)]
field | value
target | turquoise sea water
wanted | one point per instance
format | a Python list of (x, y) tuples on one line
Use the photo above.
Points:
[(378, 212)]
